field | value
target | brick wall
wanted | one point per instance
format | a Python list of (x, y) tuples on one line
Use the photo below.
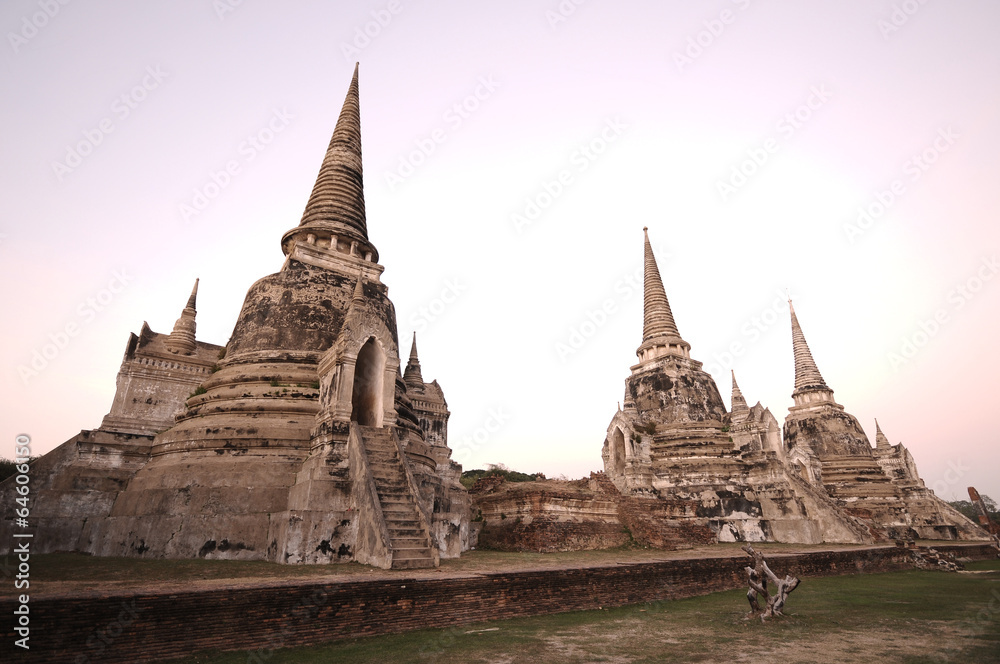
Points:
[(142, 627)]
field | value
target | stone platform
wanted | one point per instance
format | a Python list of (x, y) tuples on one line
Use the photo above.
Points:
[(148, 625)]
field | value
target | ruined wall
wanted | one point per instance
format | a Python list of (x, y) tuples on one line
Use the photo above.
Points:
[(153, 383), (73, 488), (547, 516), (897, 463), (432, 413), (255, 619)]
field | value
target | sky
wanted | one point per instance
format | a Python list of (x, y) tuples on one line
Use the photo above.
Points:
[(845, 154)]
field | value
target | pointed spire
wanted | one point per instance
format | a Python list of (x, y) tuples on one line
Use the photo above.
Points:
[(337, 201), (413, 348), (807, 375), (881, 441), (739, 405), (194, 295), (659, 331), (412, 377), (181, 340), (658, 320)]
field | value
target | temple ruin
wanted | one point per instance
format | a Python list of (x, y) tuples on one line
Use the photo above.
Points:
[(818, 480), (680, 469), (304, 439), (299, 441)]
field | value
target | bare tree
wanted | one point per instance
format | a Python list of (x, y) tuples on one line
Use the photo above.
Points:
[(758, 577)]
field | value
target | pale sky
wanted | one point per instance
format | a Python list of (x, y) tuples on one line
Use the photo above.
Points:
[(121, 119)]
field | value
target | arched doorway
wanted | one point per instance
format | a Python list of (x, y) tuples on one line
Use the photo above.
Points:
[(366, 393), (618, 451)]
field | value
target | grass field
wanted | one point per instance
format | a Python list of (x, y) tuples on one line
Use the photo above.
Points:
[(910, 617)]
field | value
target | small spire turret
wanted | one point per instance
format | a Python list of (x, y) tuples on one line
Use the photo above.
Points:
[(412, 376), (740, 410), (181, 340), (881, 441)]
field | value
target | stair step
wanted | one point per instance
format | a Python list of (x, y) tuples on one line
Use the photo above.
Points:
[(405, 552), (399, 494), (396, 511), (406, 534), (411, 548), (383, 482), (401, 519), (420, 563), (403, 523), (394, 491), (408, 543), (398, 504)]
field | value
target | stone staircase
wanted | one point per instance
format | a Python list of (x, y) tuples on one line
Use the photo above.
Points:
[(410, 545)]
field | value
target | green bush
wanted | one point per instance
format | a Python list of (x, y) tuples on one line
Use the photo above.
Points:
[(469, 477)]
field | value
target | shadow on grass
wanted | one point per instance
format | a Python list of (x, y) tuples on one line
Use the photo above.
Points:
[(913, 617)]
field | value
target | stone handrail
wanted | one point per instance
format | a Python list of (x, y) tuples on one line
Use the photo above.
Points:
[(423, 514), (852, 523), (364, 493)]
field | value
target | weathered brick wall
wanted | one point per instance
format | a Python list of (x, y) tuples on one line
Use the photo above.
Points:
[(545, 516), (142, 628), (548, 535)]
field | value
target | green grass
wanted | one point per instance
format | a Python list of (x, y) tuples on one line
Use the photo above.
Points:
[(911, 617)]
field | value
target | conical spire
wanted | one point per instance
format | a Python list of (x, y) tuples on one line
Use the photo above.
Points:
[(337, 201), (181, 340), (739, 406), (807, 375), (413, 349), (194, 295), (659, 331), (412, 376), (658, 320), (880, 438)]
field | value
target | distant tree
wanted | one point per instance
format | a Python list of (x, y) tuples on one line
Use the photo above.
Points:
[(967, 508), (8, 467), (469, 477)]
